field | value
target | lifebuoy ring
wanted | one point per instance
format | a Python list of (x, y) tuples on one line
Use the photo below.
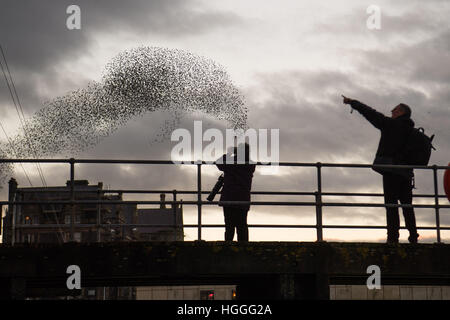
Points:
[(447, 183)]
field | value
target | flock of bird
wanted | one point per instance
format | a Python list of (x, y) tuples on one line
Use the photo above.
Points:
[(135, 82)]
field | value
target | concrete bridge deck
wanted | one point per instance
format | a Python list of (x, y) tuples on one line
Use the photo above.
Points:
[(262, 270)]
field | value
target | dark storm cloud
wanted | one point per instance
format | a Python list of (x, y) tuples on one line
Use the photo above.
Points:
[(421, 62), (36, 40)]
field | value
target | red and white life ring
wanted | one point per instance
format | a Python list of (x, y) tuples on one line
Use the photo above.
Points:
[(447, 183)]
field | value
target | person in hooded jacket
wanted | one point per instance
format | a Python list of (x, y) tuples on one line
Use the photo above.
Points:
[(237, 184), (397, 183)]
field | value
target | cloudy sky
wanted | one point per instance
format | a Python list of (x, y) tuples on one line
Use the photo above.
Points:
[(291, 60)]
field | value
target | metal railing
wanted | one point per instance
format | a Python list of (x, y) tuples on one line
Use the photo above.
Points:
[(318, 203)]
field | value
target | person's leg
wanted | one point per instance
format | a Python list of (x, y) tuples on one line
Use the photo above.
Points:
[(229, 225), (408, 213), (390, 187), (241, 224)]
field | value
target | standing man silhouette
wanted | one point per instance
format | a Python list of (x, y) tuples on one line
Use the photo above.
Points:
[(397, 183), (238, 175)]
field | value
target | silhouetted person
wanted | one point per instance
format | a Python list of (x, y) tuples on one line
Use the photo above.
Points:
[(236, 187), (397, 183)]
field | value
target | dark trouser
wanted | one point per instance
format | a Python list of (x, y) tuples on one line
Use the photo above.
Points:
[(398, 188), (236, 218)]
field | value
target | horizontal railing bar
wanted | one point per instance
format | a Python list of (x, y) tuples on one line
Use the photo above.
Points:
[(378, 227), (261, 203), (67, 226), (331, 194), (390, 166), (375, 205), (92, 161), (301, 193), (94, 225), (169, 162)]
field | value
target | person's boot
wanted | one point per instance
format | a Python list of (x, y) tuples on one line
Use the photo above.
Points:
[(392, 237), (413, 238)]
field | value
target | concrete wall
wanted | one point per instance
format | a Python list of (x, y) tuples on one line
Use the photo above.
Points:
[(183, 292), (360, 292)]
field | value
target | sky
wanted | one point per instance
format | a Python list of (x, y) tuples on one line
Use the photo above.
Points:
[(291, 60)]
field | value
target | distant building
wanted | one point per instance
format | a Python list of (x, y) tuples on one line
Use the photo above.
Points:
[(164, 224), (28, 223)]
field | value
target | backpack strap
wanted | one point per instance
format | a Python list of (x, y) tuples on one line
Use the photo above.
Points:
[(431, 140)]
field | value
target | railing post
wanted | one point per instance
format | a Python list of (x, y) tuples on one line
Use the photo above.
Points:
[(199, 199), (99, 198), (13, 208), (318, 195), (436, 203), (175, 208), (72, 198)]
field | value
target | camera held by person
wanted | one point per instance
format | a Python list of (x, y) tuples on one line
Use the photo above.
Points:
[(216, 188)]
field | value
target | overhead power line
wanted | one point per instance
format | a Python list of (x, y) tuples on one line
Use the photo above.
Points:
[(12, 147), (20, 113), (23, 122)]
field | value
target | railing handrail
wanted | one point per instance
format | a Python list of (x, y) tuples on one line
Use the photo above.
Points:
[(197, 162), (280, 193), (257, 203)]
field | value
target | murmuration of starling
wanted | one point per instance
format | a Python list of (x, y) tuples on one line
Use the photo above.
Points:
[(135, 82)]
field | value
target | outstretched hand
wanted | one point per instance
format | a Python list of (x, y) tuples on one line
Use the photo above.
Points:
[(347, 100)]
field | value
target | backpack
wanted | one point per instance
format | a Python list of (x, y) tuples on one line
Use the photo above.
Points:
[(418, 148)]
